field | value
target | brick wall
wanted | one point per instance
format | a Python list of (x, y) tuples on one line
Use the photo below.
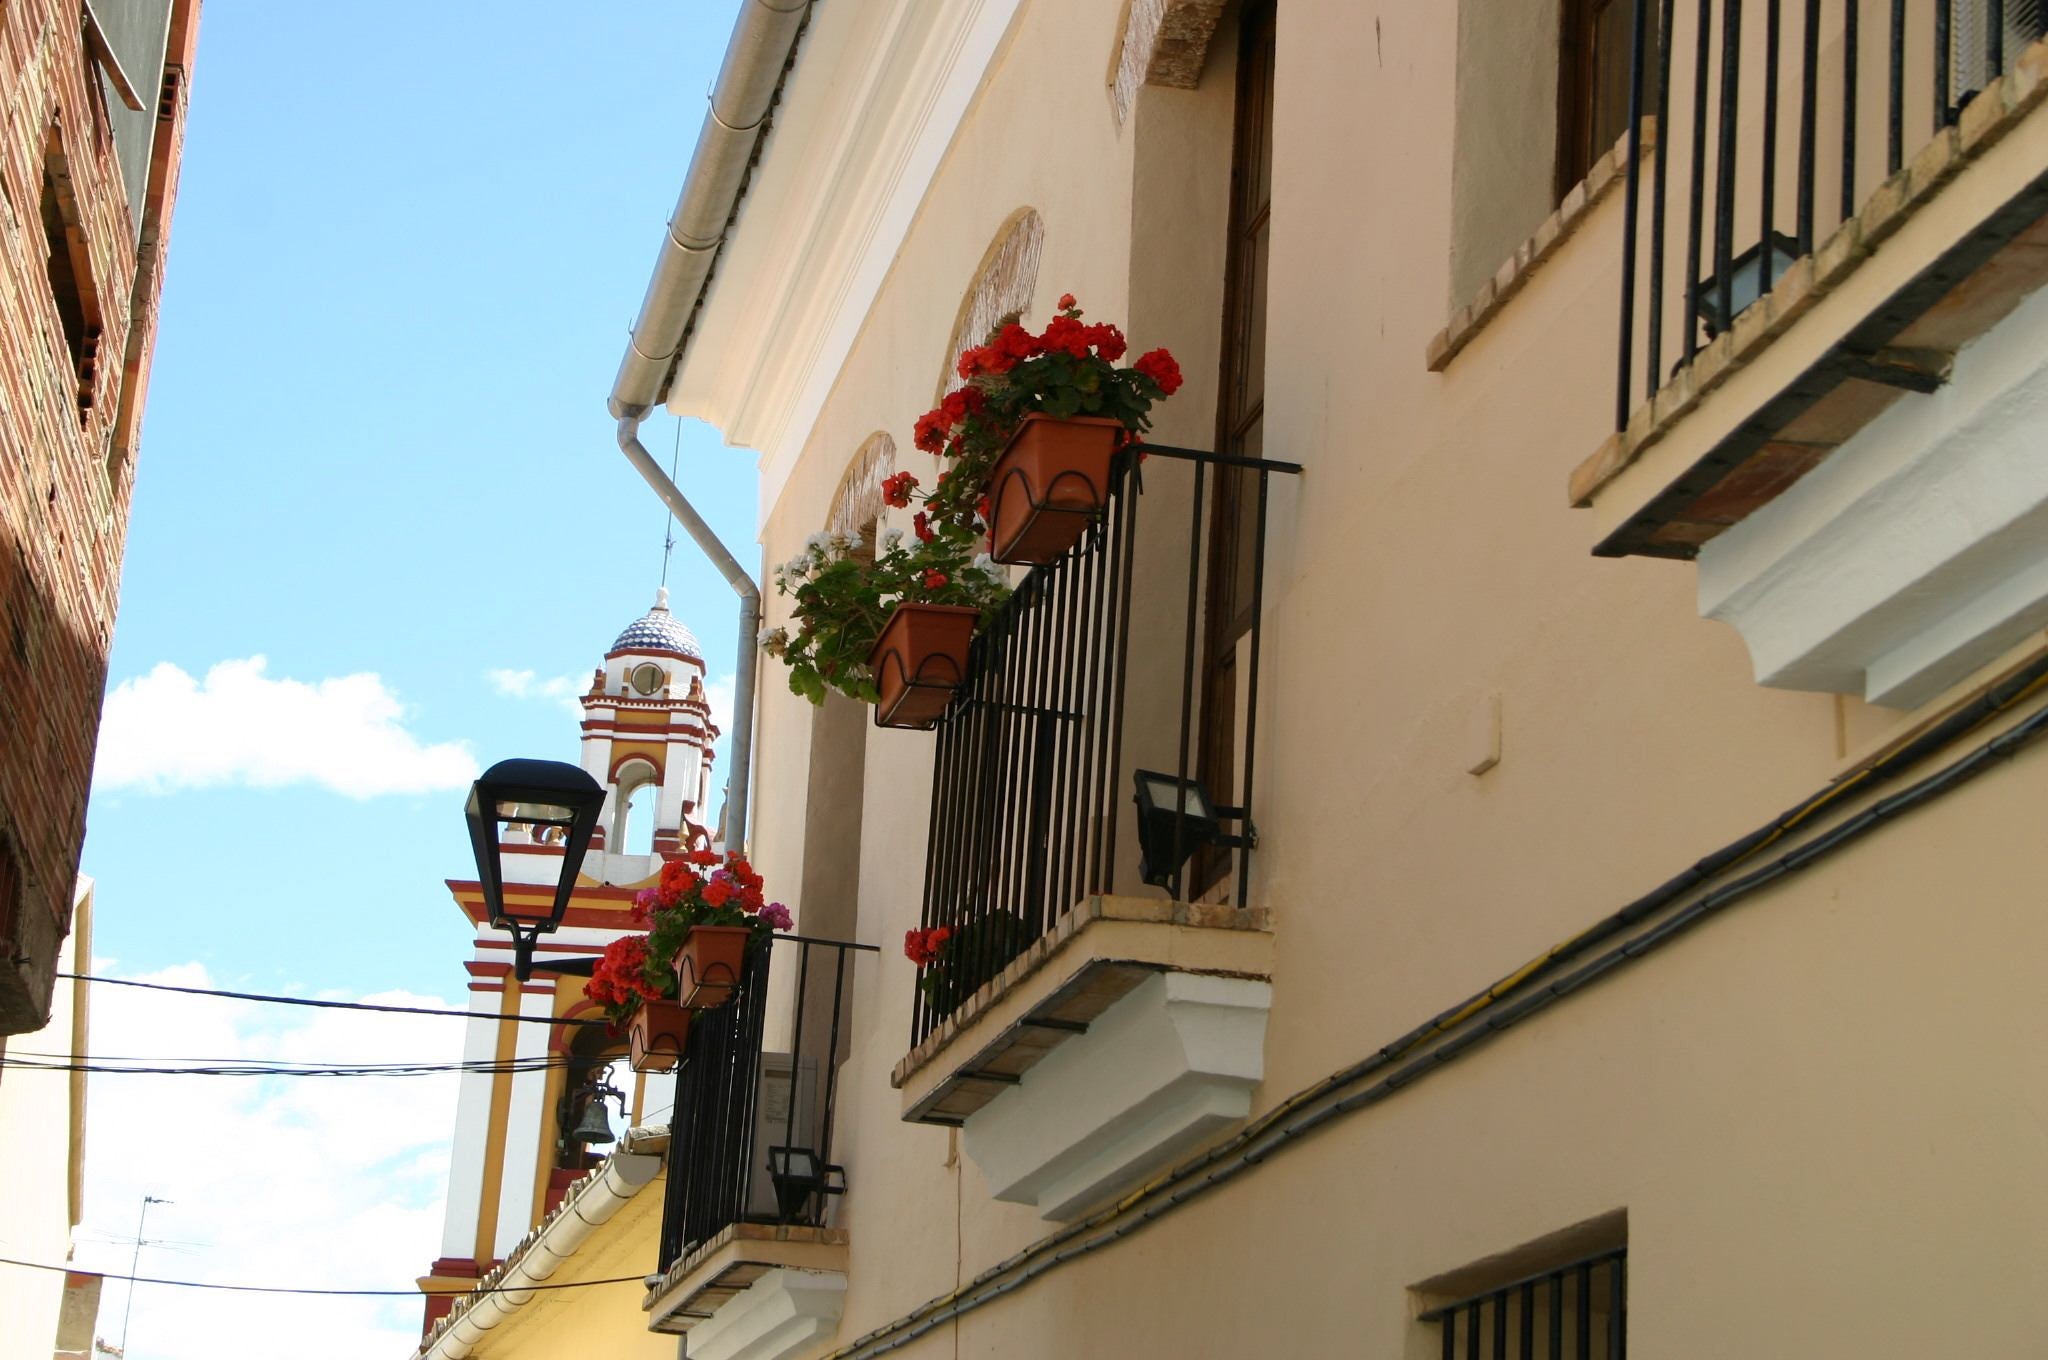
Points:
[(69, 429)]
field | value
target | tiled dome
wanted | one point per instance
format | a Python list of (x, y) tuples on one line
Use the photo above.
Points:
[(658, 631)]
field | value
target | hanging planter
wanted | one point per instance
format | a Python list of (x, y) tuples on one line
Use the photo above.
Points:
[(705, 913), (918, 662), (708, 965), (1049, 484), (656, 1034)]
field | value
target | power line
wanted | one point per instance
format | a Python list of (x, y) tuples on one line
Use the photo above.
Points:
[(251, 1068), (640, 1280), (335, 1005)]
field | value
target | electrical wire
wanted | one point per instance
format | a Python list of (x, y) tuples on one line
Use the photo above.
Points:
[(335, 1005), (414, 1293), (234, 1067), (1404, 1061)]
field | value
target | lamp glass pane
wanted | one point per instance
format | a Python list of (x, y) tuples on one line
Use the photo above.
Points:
[(1168, 794), (550, 813)]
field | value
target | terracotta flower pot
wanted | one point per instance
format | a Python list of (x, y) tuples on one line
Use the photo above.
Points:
[(919, 660), (708, 965), (655, 1035), (1049, 485)]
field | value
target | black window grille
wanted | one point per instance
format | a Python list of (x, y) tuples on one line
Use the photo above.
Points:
[(1576, 1311)]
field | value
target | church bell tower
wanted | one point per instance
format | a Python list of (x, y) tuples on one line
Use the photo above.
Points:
[(647, 735)]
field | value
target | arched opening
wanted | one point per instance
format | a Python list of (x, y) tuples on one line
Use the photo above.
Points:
[(597, 1081), (1003, 283), (633, 824)]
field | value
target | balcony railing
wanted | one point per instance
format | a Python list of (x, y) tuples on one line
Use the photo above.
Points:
[(1113, 659), (1776, 119), (751, 1133)]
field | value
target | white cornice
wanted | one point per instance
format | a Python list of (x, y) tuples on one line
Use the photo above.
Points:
[(878, 92)]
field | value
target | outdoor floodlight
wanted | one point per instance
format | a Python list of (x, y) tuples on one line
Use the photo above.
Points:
[(1748, 280), (557, 803), (1175, 817), (800, 1173)]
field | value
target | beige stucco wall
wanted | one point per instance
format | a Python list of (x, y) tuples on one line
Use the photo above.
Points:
[(1822, 1113), (42, 1138)]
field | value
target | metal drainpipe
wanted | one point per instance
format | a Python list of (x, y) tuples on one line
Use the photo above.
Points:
[(748, 663), (763, 38)]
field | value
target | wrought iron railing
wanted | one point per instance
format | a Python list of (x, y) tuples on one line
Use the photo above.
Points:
[(1097, 667), (1575, 1310), (750, 1137), (1775, 120)]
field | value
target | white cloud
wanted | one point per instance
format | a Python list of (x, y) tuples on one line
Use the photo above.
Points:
[(311, 1182), (166, 730), (565, 689), (719, 694)]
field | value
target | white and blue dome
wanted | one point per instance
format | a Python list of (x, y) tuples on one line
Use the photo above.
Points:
[(658, 631)]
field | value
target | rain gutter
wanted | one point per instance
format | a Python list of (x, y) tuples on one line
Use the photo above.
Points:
[(757, 61), (590, 1204)]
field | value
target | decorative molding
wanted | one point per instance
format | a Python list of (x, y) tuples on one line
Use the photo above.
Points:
[(1915, 553), (1003, 283), (857, 501), (880, 89), (1165, 42), (1169, 1065)]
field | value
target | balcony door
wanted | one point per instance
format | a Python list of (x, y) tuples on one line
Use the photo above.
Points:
[(1240, 419)]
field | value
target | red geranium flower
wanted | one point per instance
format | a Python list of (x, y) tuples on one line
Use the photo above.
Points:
[(1066, 302), (921, 525), (1107, 340), (1159, 366), (922, 947), (961, 403), (1014, 342), (1063, 334), (935, 579), (930, 434), (701, 857), (896, 490)]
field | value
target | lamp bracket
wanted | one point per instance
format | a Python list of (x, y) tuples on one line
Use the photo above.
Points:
[(523, 942)]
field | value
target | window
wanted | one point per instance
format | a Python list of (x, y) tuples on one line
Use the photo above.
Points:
[(69, 268), (1576, 1309), (1593, 82)]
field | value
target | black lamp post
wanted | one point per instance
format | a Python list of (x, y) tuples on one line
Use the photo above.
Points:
[(544, 795)]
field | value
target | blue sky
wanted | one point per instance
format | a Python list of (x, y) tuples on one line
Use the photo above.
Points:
[(407, 248), (408, 244)]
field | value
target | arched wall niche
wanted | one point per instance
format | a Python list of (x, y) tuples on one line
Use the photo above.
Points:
[(857, 501), (1003, 283)]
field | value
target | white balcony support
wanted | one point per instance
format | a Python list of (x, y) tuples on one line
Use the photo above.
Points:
[(775, 1316), (1166, 1067), (1917, 552)]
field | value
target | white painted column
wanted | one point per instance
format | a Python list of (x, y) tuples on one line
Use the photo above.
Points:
[(472, 1131), (523, 1124)]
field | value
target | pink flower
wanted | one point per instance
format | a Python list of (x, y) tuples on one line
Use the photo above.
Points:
[(777, 916)]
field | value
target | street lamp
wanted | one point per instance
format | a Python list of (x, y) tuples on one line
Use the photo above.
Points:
[(543, 795)]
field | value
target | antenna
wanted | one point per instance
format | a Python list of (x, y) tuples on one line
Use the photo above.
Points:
[(135, 1264), (668, 530)]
